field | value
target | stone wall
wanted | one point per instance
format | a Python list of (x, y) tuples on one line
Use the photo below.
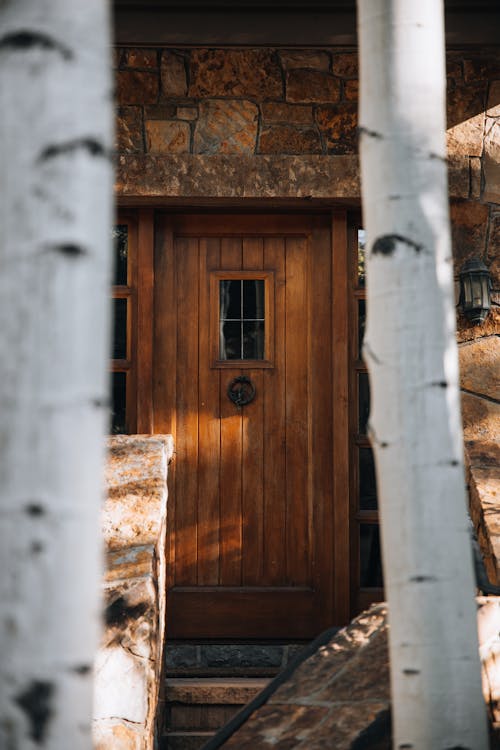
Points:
[(129, 661), (266, 123)]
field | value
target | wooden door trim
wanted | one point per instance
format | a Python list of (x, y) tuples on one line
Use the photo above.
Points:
[(145, 305)]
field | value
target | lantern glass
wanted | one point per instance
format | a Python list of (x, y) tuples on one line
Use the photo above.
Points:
[(475, 286)]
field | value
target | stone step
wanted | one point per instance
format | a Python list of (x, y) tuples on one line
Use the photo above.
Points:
[(184, 740), (195, 708)]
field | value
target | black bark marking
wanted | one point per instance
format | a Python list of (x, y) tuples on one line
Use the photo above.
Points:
[(82, 669), (454, 462), (423, 579), (118, 612), (371, 133), (101, 403), (440, 384), (35, 509), (457, 747), (405, 746), (387, 243), (68, 249), (410, 671), (433, 155), (26, 39), (91, 145), (36, 548), (36, 702)]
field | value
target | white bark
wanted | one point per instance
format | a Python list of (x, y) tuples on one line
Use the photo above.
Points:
[(411, 353), (55, 216)]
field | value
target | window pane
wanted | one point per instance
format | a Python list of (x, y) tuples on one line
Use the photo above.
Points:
[(370, 562), (120, 329), (363, 402), (361, 326), (120, 237), (230, 299), (361, 257), (253, 340), (367, 483), (119, 401), (230, 340), (253, 299)]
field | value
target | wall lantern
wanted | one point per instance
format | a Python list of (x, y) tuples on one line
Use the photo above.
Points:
[(475, 291)]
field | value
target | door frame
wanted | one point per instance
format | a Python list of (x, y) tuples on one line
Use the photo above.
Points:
[(151, 244)]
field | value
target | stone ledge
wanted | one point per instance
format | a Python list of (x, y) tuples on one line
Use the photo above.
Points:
[(227, 176), (213, 691)]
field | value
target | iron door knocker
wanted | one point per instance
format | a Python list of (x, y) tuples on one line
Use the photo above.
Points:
[(241, 390)]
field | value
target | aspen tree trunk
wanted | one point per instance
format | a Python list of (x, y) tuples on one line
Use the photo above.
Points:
[(410, 350), (55, 215)]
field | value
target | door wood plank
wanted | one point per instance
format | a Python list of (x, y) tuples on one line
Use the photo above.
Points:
[(253, 451), (186, 486), (297, 417), (208, 430), (231, 453), (274, 419)]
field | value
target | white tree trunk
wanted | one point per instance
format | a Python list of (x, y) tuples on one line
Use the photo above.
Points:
[(411, 354), (55, 216)]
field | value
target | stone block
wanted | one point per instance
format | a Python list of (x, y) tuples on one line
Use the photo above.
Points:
[(465, 120), (481, 67), (142, 58), (160, 112), (253, 73), (178, 656), (469, 221), (137, 87), (129, 138), (173, 74), (212, 690), (305, 58), (115, 735), (454, 65), (305, 86), (286, 114), (187, 113), (475, 177), (345, 64), (493, 107), (493, 250), (491, 161), (351, 91), (226, 127), (466, 331), (338, 125), (480, 419), (167, 137), (285, 139), (239, 175), (480, 368), (244, 655), (121, 686)]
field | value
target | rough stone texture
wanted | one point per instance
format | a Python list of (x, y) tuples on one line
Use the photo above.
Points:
[(493, 106), (479, 379), (160, 112), (480, 367), (167, 137), (263, 176), (129, 138), (243, 655), (226, 127), (469, 332), (351, 90), (493, 250), (491, 162), (345, 65), (173, 74), (475, 177), (128, 663), (465, 120), (289, 114), (218, 691), (469, 222), (142, 58), (285, 138), (137, 87), (187, 113), (305, 86), (312, 59), (340, 696), (235, 73), (338, 126)]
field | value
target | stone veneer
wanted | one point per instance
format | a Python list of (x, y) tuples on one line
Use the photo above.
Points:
[(129, 661)]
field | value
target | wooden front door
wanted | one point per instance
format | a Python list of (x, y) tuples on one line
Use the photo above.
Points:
[(243, 306)]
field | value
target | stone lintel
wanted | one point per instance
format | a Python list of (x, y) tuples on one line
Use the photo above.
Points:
[(229, 176)]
